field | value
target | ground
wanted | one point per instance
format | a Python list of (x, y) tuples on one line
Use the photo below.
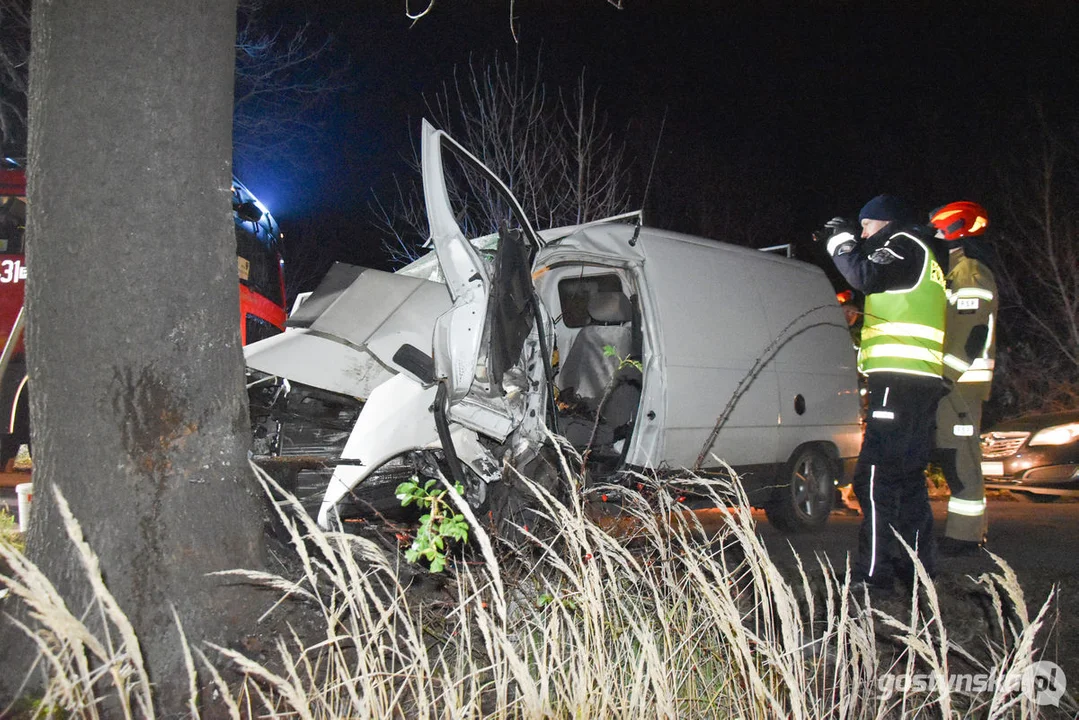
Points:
[(1039, 541)]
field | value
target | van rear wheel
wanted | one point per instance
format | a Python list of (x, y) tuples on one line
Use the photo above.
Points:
[(805, 499)]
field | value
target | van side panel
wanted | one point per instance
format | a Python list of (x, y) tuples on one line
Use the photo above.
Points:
[(815, 362), (710, 329), (710, 312)]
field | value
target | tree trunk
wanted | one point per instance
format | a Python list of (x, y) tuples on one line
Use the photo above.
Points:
[(138, 408)]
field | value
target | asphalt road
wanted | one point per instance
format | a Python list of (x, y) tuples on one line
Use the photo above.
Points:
[(1039, 541)]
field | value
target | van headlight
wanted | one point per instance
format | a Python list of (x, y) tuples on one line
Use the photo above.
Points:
[(1056, 435)]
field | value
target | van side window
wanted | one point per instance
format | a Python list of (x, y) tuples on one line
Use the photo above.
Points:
[(574, 294)]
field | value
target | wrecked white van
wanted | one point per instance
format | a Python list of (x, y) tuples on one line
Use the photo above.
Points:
[(646, 349)]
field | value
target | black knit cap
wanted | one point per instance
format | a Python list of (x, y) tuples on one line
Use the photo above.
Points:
[(887, 208)]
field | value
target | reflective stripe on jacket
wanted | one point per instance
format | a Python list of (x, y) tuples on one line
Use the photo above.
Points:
[(972, 305)]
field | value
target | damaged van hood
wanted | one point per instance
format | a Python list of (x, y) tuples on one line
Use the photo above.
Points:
[(344, 336)]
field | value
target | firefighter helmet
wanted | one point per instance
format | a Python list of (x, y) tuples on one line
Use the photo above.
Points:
[(960, 219)]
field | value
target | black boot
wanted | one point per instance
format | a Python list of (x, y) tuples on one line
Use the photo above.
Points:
[(950, 547)]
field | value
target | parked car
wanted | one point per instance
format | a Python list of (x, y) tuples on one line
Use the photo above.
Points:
[(1034, 454), (673, 352)]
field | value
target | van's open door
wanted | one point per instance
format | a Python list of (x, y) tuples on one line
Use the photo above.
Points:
[(481, 345)]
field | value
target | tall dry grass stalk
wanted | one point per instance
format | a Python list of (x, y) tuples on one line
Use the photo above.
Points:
[(652, 617), (91, 674)]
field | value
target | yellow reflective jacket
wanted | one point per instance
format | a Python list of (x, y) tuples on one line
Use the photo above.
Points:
[(970, 344)]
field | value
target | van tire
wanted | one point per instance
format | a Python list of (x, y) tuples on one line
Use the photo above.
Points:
[(804, 499)]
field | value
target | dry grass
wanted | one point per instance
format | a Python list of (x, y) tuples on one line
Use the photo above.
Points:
[(653, 621), (86, 672)]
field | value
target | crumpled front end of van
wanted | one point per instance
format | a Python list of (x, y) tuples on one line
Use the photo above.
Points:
[(452, 374)]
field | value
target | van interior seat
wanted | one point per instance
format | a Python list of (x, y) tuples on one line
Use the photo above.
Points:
[(588, 374), (586, 369)]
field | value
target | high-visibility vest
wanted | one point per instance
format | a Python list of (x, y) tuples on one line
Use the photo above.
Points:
[(903, 330)]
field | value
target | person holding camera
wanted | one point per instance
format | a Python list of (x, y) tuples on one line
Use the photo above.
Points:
[(901, 355)]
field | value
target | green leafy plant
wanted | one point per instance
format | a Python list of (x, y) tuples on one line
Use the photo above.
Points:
[(437, 525), (548, 600), (612, 351), (9, 530)]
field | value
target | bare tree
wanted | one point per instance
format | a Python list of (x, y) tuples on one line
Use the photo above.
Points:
[(282, 79), (14, 62), (1039, 274), (555, 153), (402, 223), (1043, 247), (139, 418), (595, 159)]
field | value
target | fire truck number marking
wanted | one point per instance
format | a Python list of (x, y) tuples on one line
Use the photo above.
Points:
[(12, 271)]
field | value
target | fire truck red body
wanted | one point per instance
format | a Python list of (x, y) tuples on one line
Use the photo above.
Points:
[(262, 293)]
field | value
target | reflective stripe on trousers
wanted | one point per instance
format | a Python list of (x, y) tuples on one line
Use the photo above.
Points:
[(873, 518), (967, 508), (959, 419), (889, 478)]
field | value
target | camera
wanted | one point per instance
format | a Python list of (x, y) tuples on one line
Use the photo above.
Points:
[(833, 227)]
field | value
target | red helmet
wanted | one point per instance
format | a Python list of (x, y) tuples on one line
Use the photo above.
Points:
[(960, 219)]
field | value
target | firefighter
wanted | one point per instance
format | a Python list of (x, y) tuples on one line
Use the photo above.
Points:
[(901, 355), (969, 352)]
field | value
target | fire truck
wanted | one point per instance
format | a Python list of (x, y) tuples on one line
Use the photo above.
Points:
[(262, 292)]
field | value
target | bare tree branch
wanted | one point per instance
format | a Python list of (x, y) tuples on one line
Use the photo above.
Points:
[(416, 16), (1039, 273), (282, 79), (14, 61), (555, 155), (400, 225)]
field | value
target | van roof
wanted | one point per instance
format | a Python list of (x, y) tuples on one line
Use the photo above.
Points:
[(613, 235), (609, 236)]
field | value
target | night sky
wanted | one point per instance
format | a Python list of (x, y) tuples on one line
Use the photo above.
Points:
[(802, 112)]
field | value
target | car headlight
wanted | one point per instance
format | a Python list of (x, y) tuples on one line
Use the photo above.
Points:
[(1056, 435)]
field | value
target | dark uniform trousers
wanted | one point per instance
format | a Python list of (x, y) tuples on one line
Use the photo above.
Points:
[(889, 478)]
